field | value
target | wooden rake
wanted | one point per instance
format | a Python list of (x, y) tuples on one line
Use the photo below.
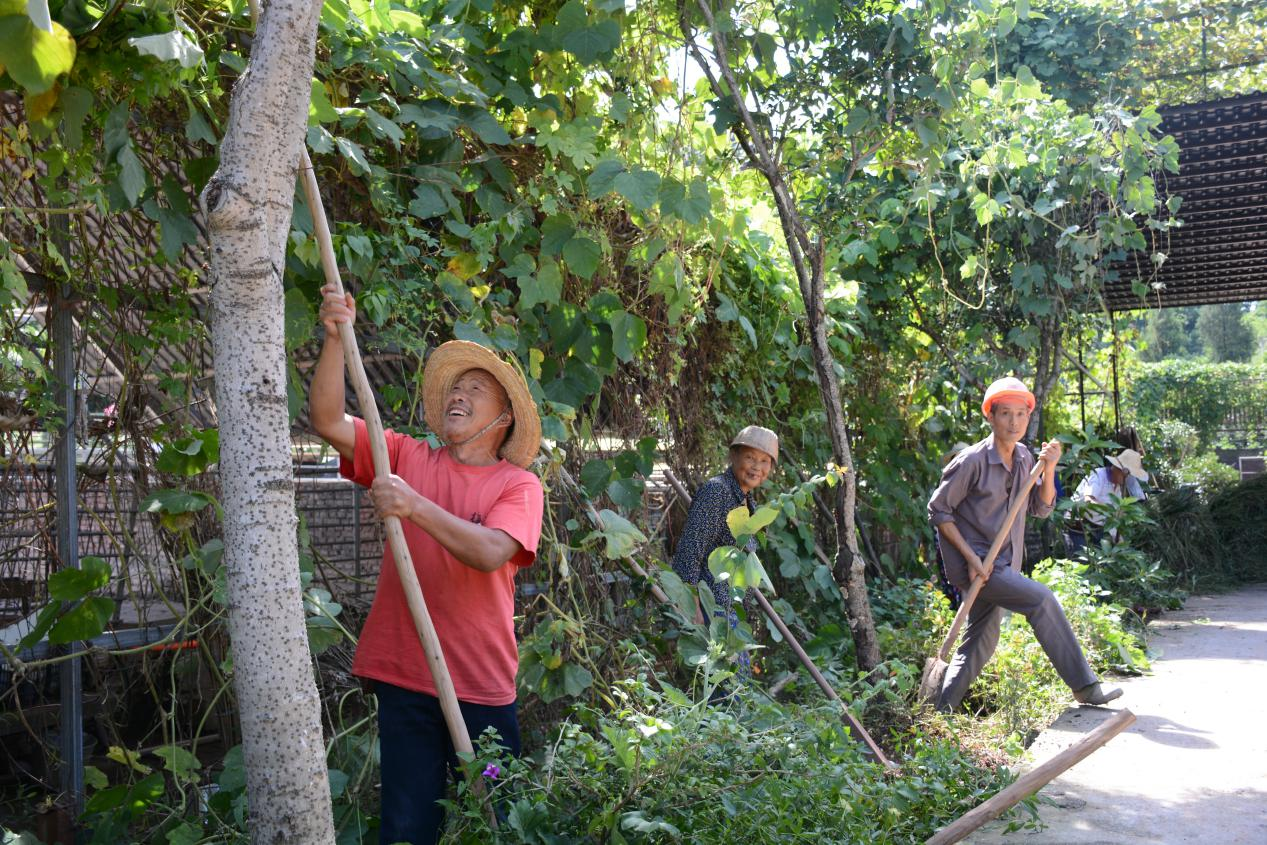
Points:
[(855, 726), (382, 468)]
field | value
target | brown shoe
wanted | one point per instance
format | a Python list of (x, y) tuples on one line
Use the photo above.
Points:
[(1096, 694)]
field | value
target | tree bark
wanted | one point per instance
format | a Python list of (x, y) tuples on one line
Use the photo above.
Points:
[(807, 255), (248, 207)]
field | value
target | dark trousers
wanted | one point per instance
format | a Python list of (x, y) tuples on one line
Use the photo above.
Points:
[(1076, 541), (417, 756)]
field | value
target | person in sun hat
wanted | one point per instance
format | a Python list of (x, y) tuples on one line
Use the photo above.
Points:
[(1119, 479), (753, 453), (471, 513), (967, 510)]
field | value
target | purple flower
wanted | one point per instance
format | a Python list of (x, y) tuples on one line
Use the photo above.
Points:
[(492, 771)]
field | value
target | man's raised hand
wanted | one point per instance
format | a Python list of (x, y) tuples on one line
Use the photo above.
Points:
[(336, 308)]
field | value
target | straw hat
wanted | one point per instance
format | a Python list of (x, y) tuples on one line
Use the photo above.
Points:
[(449, 361), (1128, 460), (1005, 389), (761, 439)]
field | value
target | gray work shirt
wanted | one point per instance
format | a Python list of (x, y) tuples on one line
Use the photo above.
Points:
[(975, 493)]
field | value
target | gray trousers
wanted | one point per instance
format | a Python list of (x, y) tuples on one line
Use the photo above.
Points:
[(1008, 589)]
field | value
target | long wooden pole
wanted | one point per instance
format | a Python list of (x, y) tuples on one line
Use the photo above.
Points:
[(1022, 500), (1033, 780), (637, 568), (382, 468), (855, 726)]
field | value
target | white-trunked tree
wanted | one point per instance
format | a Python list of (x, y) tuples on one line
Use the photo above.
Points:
[(248, 205)]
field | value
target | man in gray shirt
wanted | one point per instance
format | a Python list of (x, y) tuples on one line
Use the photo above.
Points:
[(968, 510)]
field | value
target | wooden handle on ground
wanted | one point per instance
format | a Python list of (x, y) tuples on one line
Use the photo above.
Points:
[(382, 468), (1033, 780), (977, 582), (860, 733)]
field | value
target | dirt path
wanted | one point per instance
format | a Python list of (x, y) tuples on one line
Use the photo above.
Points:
[(1193, 768)]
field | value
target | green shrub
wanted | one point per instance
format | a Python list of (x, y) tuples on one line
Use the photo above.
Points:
[(1181, 535), (1208, 475), (1201, 395), (660, 768), (1238, 515), (1170, 444)]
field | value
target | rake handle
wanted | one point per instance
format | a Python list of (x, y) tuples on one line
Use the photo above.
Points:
[(978, 582), (382, 468), (859, 732)]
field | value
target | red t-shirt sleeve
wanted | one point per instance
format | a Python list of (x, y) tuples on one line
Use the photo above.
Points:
[(361, 468), (518, 512)]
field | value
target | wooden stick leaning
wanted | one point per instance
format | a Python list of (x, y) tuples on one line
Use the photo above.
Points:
[(1033, 780), (637, 568), (935, 667), (382, 468), (855, 726)]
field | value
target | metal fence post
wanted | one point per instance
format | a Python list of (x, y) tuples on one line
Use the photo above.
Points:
[(72, 705)]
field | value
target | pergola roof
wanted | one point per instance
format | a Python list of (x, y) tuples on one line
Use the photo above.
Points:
[(1219, 254)]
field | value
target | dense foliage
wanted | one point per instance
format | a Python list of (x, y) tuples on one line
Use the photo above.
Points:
[(554, 180)]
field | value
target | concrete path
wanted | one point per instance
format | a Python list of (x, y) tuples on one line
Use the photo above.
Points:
[(1193, 768)]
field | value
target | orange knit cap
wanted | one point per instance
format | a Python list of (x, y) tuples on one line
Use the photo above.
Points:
[(1005, 389)]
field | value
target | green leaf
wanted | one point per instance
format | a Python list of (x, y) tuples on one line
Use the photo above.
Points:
[(174, 501), (556, 231), (595, 475), (32, 56), (176, 229), (180, 762), (83, 621), (76, 103), (132, 177), (1007, 22), (107, 799), (726, 563), (629, 334), (484, 125), (338, 782), (546, 285), (697, 205), (641, 187), (430, 201), (186, 833), (171, 46), (582, 256), (320, 109), (593, 42), (72, 584), (354, 154), (627, 492), (301, 317), (190, 455), (145, 793), (576, 679), (43, 624), (94, 778), (456, 290), (637, 821), (682, 596), (232, 777), (384, 127), (603, 176), (743, 524), (621, 535), (438, 116)]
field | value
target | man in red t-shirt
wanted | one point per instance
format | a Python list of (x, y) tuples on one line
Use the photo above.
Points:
[(471, 513)]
